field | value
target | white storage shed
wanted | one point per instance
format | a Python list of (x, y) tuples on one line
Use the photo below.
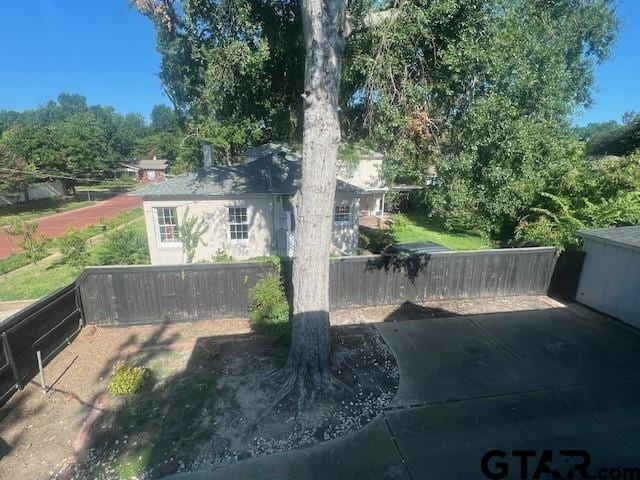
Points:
[(610, 278)]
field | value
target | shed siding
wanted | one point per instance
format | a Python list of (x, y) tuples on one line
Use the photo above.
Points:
[(610, 280)]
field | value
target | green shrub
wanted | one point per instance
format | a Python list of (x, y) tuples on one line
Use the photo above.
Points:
[(74, 248), (221, 256), (363, 241), (127, 379), (123, 247), (26, 236), (274, 260), (268, 307)]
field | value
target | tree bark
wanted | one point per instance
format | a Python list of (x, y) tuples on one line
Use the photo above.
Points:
[(324, 22)]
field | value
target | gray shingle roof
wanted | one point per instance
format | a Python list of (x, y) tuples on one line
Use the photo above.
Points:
[(269, 174), (624, 236)]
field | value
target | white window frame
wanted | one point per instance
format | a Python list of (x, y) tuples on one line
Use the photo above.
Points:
[(151, 174), (336, 214), (234, 216), (156, 220)]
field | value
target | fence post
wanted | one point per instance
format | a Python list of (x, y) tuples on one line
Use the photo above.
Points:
[(10, 360)]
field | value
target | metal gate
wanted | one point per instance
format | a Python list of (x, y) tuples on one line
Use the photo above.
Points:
[(46, 326)]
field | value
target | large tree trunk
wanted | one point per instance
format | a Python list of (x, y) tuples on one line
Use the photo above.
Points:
[(323, 22)]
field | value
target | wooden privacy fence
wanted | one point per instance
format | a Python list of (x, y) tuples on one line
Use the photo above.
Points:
[(144, 294), (46, 326), (157, 294), (386, 280)]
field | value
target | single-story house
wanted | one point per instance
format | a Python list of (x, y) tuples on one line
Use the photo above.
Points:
[(246, 207), (146, 171)]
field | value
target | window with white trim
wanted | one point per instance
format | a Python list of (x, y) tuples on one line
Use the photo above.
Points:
[(238, 223), (167, 221), (341, 214)]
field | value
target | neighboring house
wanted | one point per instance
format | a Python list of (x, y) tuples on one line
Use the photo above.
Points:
[(247, 208), (146, 171), (367, 174)]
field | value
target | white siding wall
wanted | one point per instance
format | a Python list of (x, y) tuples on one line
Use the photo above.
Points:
[(610, 280), (215, 213), (264, 219), (367, 174)]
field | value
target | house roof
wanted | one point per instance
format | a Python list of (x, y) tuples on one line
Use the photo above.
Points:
[(622, 236), (270, 174), (155, 164), (272, 148)]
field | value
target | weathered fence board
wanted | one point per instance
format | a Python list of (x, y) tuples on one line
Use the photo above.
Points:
[(47, 326), (384, 280), (131, 295), (157, 294)]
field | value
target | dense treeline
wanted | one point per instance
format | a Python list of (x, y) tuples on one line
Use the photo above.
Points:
[(612, 138), (482, 90), (69, 139)]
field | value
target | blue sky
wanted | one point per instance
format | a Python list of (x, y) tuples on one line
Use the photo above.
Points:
[(102, 49), (617, 88), (105, 50)]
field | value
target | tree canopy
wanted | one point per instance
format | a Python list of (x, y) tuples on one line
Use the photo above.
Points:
[(481, 89), (616, 139), (69, 139)]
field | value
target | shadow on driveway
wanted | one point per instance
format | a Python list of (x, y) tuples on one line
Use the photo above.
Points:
[(532, 380)]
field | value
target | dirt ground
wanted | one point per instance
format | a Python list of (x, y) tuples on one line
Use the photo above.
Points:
[(186, 421)]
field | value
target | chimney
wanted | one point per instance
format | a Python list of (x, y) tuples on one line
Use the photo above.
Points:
[(154, 157), (207, 156)]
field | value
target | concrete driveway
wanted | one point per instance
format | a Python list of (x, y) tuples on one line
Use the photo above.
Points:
[(526, 381)]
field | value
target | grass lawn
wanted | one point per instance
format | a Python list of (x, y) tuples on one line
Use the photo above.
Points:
[(419, 228), (39, 208), (44, 278), (414, 227)]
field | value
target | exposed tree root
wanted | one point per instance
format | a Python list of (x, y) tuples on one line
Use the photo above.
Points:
[(302, 386)]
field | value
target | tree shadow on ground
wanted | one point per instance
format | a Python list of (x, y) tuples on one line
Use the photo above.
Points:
[(413, 311)]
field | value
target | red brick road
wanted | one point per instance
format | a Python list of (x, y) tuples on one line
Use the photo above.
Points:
[(54, 226)]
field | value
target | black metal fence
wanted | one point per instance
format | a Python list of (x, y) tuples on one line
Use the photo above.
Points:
[(46, 326)]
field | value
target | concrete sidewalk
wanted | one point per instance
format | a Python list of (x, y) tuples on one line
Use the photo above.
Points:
[(531, 380)]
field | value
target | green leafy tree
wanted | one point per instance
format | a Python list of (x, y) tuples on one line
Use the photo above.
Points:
[(68, 138), (481, 90), (163, 119), (73, 246), (27, 238), (124, 246)]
